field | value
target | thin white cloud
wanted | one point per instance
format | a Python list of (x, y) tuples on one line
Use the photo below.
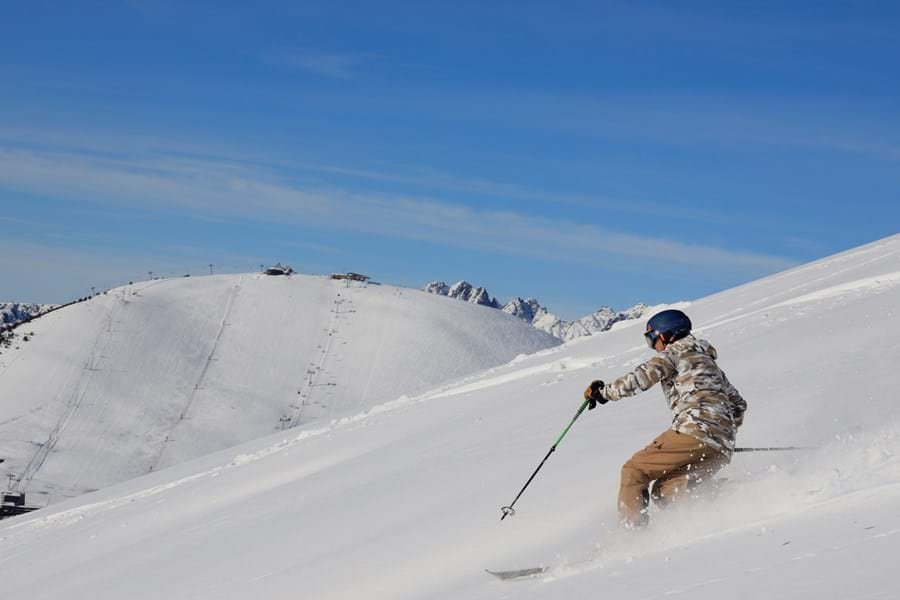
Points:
[(687, 121), (208, 189), (345, 66), (430, 178), (168, 152)]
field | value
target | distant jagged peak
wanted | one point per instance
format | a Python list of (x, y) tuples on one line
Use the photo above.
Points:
[(437, 287), (532, 311), (601, 320), (463, 290), (636, 312), (526, 309), (13, 312)]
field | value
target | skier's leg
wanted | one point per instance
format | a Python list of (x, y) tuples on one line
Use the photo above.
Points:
[(652, 462), (667, 489), (634, 495), (702, 463)]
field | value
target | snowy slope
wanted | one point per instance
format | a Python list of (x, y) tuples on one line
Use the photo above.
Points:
[(163, 371), (402, 500)]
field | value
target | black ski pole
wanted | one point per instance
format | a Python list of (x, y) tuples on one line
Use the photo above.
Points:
[(774, 449), (508, 510)]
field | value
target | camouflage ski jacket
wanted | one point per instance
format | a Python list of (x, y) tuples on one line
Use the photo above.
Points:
[(703, 402)]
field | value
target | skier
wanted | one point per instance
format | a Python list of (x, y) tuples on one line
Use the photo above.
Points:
[(707, 412)]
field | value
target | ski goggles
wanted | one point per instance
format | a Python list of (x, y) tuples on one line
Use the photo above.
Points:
[(651, 336)]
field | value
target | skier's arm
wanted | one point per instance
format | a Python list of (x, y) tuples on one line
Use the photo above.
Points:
[(738, 404), (642, 378)]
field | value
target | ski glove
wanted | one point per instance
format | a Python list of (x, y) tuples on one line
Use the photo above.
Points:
[(594, 394)]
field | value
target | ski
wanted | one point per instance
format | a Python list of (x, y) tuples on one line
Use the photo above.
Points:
[(518, 573)]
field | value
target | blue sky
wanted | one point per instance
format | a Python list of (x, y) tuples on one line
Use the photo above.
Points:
[(584, 153)]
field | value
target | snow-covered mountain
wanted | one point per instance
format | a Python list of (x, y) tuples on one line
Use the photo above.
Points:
[(402, 500), (163, 371), (15, 312), (463, 290), (533, 312)]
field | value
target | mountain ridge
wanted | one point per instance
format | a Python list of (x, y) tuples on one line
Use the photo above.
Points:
[(536, 314)]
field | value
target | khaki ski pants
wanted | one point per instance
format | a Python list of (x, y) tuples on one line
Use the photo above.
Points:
[(677, 463)]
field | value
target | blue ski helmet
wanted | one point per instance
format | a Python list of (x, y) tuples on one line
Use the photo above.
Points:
[(672, 323)]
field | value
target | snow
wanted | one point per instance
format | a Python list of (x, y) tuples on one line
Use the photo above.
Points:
[(863, 286), (160, 372), (402, 499)]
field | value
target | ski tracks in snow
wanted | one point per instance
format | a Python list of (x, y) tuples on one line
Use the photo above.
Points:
[(787, 298), (80, 390), (867, 285), (483, 380), (200, 378)]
